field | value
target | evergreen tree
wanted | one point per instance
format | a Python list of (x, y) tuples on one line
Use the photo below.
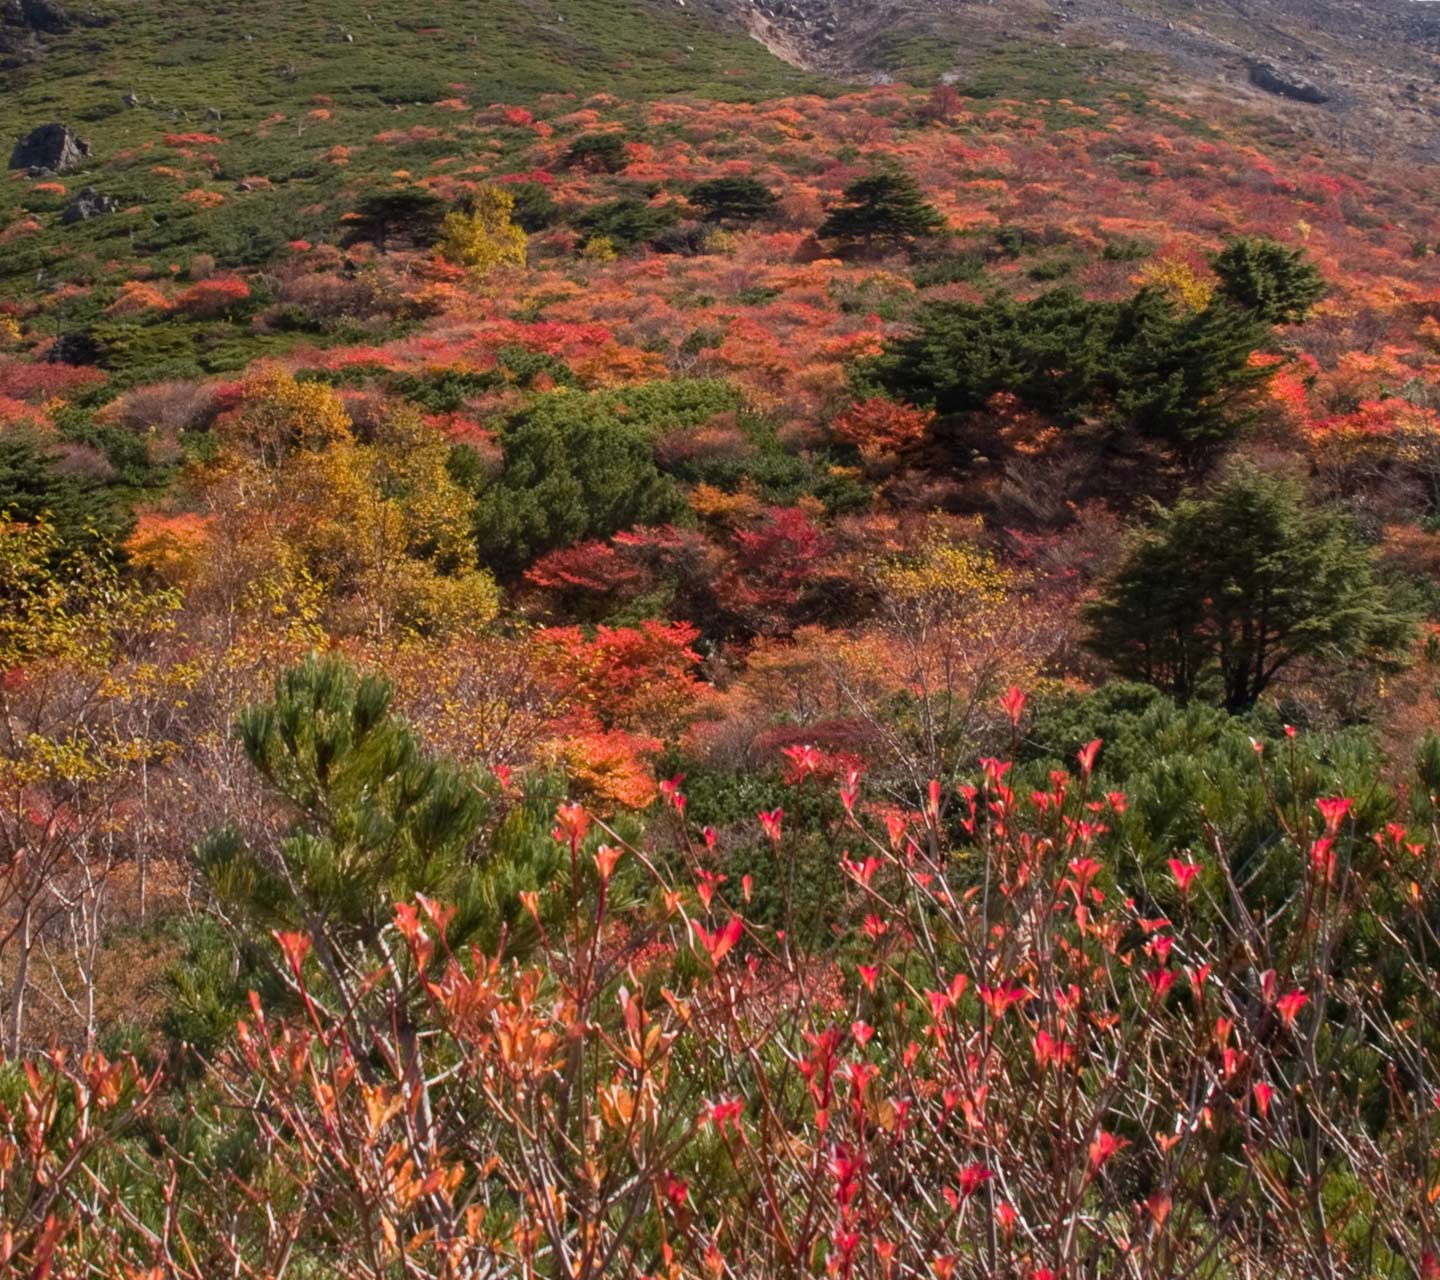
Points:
[(1051, 352), (410, 214), (1184, 376), (885, 206), (1277, 284), (597, 152), (377, 821), (732, 199), (1222, 593), (626, 223), (378, 829), (32, 487), (535, 208), (1141, 364), (579, 466)]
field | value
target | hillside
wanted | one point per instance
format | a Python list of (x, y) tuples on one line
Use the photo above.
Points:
[(1364, 77), (272, 120), (660, 640)]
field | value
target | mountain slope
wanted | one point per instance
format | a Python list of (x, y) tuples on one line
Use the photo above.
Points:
[(1377, 65), (264, 119)]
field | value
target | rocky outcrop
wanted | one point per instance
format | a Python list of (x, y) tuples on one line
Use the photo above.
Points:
[(48, 17), (87, 203), (52, 148), (77, 347), (29, 27), (1285, 84)]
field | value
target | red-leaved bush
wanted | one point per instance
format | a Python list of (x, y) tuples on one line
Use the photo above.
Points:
[(213, 297), (999, 1066)]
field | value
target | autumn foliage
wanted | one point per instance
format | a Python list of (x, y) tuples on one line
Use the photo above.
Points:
[(827, 685)]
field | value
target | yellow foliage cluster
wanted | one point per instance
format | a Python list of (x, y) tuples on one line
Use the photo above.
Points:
[(945, 573), (66, 618), (281, 416), (484, 239), (373, 534), (384, 526), (598, 249), (1179, 281), (721, 242)]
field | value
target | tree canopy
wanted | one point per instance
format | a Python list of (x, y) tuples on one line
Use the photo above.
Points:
[(1277, 284), (583, 466), (884, 206), (1222, 592), (1142, 363), (626, 222), (597, 152), (735, 199)]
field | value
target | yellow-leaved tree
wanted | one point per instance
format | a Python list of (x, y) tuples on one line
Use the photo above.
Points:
[(485, 238), (364, 536), (280, 416), (385, 531), (89, 680)]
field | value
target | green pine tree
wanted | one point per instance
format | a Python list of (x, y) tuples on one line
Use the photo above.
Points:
[(1277, 284), (1221, 594), (582, 466), (1141, 364), (409, 215), (374, 821), (597, 152), (885, 207), (732, 199), (626, 222)]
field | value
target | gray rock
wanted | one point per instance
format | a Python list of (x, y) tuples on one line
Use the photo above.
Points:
[(1286, 84), (77, 347), (50, 147), (87, 203), (45, 15), (131, 100)]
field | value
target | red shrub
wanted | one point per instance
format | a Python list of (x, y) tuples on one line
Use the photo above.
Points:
[(213, 297)]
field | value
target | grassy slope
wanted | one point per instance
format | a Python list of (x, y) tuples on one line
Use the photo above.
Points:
[(256, 61), (197, 55)]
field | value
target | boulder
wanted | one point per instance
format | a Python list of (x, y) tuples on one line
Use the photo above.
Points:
[(87, 203), (77, 347), (49, 17), (46, 16), (51, 147), (1286, 84)]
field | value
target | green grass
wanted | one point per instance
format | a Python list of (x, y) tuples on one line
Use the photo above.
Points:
[(250, 60), (254, 62)]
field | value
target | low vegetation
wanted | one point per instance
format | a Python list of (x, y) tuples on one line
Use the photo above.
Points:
[(611, 664)]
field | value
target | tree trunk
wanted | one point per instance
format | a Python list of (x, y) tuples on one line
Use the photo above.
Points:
[(17, 999)]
